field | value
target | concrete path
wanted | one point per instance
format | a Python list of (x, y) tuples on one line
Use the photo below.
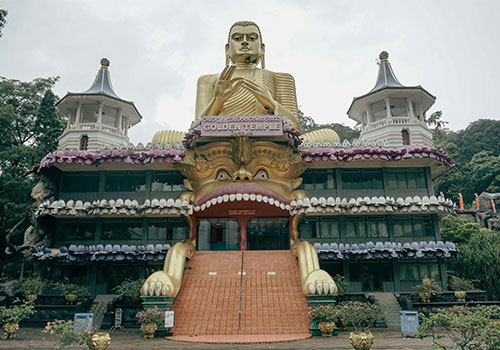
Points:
[(32, 338)]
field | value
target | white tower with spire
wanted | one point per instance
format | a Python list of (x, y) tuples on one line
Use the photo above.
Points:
[(97, 117), (391, 113)]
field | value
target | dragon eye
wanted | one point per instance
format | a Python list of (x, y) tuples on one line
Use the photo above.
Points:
[(223, 175), (261, 175)]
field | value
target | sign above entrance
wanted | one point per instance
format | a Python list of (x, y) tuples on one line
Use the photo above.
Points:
[(241, 125), (234, 212)]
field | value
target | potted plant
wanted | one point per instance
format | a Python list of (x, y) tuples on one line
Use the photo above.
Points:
[(149, 320), (11, 316), (461, 286), (71, 291), (362, 316), (427, 289), (342, 284), (66, 335), (130, 288), (324, 316), (32, 287)]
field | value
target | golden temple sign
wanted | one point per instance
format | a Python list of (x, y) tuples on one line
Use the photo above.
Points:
[(242, 125)]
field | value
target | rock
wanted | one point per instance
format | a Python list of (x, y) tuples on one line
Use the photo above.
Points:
[(485, 201)]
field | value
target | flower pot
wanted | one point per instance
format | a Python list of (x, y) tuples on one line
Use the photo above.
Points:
[(361, 340), (31, 297), (148, 329), (71, 298), (10, 329), (425, 297), (326, 328), (460, 295), (99, 341)]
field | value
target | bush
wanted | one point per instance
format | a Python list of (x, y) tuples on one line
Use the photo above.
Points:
[(464, 284), (342, 284), (323, 313), (66, 287), (65, 334), (130, 288), (151, 316), (32, 286), (16, 313), (427, 289), (361, 315), (466, 328)]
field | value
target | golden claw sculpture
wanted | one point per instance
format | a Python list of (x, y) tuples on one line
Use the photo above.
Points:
[(167, 282)]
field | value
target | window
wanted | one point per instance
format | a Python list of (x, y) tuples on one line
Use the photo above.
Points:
[(379, 110), (84, 142), (127, 181), (412, 226), (399, 107), (360, 179), (409, 178), (405, 134), (366, 227), (168, 229), (318, 179), (417, 271), (76, 230), (167, 181), (116, 230), (80, 182), (319, 227)]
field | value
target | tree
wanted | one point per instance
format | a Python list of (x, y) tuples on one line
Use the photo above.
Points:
[(458, 229), (30, 126), (3, 20), (435, 119), (308, 124)]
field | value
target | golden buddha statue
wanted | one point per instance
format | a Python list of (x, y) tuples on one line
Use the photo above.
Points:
[(244, 89), (243, 164)]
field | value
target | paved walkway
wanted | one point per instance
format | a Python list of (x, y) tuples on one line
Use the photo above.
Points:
[(32, 338)]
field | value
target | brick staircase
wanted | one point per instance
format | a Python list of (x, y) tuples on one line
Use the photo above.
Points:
[(273, 307), (390, 305), (99, 307)]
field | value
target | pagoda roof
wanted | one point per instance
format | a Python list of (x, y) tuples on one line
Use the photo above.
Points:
[(101, 87), (386, 80)]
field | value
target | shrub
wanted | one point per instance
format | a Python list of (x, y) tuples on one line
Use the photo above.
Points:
[(65, 334), (66, 287), (32, 286), (323, 313), (361, 315), (468, 328), (16, 313), (428, 287), (342, 284), (151, 316), (130, 288), (461, 284)]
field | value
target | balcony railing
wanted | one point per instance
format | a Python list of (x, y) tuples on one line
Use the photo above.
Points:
[(95, 126), (394, 121)]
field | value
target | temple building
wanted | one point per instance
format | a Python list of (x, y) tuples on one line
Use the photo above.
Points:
[(241, 182)]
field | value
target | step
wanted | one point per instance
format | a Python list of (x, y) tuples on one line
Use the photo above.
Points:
[(272, 303), (391, 307)]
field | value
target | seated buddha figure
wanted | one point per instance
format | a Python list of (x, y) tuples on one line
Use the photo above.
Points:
[(244, 89)]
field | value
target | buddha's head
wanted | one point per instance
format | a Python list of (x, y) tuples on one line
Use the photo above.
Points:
[(260, 168), (244, 44)]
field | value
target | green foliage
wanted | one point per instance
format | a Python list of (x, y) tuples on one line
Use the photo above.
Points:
[(476, 151), (461, 284), (342, 284), (151, 316), (30, 126), (65, 334), (361, 315), (66, 287), (491, 336), (480, 260), (427, 289), (308, 124), (458, 228), (323, 313), (129, 288), (16, 313), (3, 20), (464, 327), (32, 286)]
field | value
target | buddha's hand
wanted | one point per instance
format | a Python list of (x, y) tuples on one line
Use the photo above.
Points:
[(159, 283), (262, 94), (225, 87)]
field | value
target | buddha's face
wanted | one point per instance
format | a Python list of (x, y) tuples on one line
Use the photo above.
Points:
[(269, 170), (244, 45)]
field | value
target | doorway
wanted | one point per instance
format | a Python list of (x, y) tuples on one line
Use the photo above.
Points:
[(268, 234), (218, 234)]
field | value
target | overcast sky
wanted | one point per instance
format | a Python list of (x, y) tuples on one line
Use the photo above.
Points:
[(157, 50)]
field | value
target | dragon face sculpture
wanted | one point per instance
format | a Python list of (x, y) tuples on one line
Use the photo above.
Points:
[(243, 166)]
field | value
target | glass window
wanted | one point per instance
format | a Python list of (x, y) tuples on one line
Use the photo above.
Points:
[(409, 272), (168, 229), (126, 181), (318, 227), (318, 179), (412, 226), (358, 179), (76, 230), (167, 182), (410, 178), (122, 230), (80, 182), (362, 227)]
